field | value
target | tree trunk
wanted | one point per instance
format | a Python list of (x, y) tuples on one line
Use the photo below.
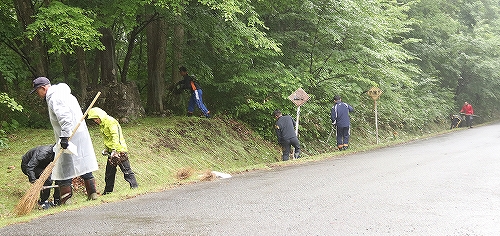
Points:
[(128, 55), (82, 73), (95, 68), (156, 41), (132, 39), (34, 51), (120, 100), (175, 102), (3, 84), (108, 57), (65, 63), (178, 52)]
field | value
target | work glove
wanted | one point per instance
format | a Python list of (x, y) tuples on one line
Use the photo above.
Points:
[(64, 142), (114, 158)]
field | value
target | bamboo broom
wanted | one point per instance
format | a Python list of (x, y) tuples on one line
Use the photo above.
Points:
[(28, 201)]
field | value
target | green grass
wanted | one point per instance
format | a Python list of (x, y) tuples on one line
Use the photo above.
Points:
[(159, 148)]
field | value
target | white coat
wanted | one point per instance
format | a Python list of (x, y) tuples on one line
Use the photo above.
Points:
[(64, 114)]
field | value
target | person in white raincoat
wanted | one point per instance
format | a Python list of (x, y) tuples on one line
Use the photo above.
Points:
[(64, 114)]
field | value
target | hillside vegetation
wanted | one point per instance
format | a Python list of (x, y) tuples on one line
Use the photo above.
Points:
[(164, 152)]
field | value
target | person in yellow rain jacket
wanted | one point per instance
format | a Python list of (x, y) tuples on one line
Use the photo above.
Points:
[(115, 149)]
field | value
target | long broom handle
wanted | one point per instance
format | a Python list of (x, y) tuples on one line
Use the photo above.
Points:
[(85, 114), (74, 130)]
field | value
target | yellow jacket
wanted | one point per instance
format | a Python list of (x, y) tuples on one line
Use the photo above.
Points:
[(110, 129)]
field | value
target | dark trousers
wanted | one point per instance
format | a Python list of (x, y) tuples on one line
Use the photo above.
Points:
[(128, 174), (45, 193), (468, 120), (286, 147), (343, 134)]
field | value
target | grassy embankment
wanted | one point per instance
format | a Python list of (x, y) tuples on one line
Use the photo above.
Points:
[(164, 152)]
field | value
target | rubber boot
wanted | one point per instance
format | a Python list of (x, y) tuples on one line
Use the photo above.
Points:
[(91, 189), (66, 194)]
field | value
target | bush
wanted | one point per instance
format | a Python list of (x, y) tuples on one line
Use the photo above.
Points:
[(8, 105)]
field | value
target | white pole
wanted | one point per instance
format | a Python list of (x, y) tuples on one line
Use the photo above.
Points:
[(376, 120), (297, 127), (297, 122)]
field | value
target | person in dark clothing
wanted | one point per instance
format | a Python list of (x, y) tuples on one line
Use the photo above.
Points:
[(285, 132), (340, 118), (33, 163), (189, 83)]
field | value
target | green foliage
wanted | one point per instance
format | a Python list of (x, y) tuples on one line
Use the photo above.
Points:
[(64, 28), (428, 56), (255, 93), (10, 103), (7, 106), (11, 67), (225, 27), (458, 50), (342, 47), (8, 30)]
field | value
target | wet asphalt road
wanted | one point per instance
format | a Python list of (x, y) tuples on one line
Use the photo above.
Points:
[(447, 185)]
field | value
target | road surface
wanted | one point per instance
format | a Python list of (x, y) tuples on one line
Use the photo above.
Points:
[(446, 185)]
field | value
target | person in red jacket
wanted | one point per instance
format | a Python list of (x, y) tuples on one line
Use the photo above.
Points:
[(468, 111)]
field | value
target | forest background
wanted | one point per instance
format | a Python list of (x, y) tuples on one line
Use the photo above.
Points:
[(427, 57)]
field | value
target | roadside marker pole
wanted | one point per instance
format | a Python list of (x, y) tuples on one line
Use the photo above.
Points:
[(375, 93), (298, 98)]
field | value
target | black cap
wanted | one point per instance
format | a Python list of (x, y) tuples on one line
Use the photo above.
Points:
[(39, 82), (277, 112)]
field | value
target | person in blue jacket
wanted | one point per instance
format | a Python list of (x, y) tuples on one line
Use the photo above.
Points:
[(189, 83), (340, 119)]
